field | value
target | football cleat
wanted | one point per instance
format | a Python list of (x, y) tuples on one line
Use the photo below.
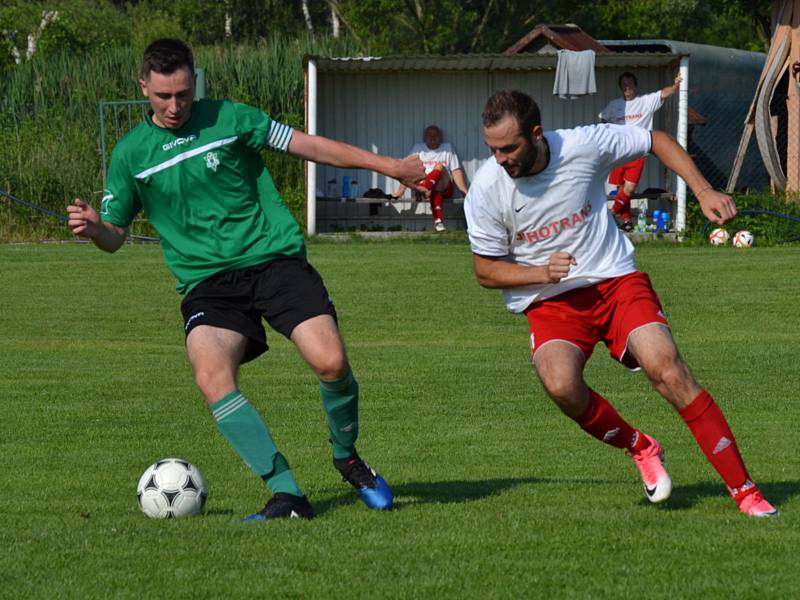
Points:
[(626, 226), (649, 461), (754, 505), (283, 506), (371, 487)]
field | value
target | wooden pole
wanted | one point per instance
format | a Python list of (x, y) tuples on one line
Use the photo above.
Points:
[(744, 141), (781, 15)]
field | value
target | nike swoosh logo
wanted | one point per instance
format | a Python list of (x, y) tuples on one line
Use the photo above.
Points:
[(650, 491), (519, 209)]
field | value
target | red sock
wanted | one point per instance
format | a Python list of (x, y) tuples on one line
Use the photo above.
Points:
[(431, 179), (436, 206), (622, 206), (709, 427), (603, 422)]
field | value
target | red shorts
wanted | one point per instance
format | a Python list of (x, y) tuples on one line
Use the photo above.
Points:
[(609, 311), (631, 171)]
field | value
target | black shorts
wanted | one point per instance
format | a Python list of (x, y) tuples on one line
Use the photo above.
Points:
[(285, 292)]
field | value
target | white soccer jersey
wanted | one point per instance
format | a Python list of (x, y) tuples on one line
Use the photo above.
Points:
[(638, 112), (562, 208), (445, 153)]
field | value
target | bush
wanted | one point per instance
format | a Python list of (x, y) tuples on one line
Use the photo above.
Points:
[(771, 219)]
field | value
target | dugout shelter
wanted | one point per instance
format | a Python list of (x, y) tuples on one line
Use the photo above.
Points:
[(384, 103)]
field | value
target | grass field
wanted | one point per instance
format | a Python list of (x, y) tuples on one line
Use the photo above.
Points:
[(497, 494)]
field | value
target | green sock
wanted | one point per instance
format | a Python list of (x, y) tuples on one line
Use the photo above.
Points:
[(244, 429), (340, 399)]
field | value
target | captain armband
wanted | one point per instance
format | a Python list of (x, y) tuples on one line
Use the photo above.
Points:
[(279, 136)]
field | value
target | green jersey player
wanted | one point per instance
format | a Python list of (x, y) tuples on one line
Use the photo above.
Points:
[(238, 256)]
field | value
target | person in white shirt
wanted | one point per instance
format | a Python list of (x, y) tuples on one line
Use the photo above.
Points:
[(442, 169), (539, 230), (631, 109)]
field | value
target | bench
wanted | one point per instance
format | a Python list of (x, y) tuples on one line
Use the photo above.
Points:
[(342, 214)]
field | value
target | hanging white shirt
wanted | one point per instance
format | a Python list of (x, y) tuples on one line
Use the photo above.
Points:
[(638, 112), (445, 154), (562, 208)]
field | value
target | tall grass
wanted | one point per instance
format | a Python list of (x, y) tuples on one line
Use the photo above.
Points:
[(49, 119)]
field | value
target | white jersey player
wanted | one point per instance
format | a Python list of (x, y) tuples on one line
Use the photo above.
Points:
[(539, 231), (632, 109)]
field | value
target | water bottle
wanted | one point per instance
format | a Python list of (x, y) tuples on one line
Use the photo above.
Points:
[(664, 226), (641, 221), (656, 220), (346, 186), (331, 188), (354, 189)]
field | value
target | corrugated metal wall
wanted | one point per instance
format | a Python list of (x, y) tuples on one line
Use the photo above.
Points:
[(386, 112)]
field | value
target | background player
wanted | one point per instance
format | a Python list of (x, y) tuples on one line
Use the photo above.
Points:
[(238, 256), (539, 230), (632, 110), (442, 170)]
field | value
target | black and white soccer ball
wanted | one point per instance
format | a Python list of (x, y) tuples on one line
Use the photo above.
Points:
[(172, 488)]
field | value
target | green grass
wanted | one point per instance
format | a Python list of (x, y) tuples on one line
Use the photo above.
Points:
[(497, 494)]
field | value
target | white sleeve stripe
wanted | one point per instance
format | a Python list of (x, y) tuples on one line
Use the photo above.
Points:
[(279, 136)]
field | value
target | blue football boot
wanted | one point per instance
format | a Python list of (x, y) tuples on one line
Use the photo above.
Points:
[(371, 487)]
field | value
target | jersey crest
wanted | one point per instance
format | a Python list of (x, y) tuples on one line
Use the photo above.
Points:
[(212, 161)]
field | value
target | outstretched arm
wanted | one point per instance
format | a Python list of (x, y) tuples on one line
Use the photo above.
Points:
[(671, 89), (338, 154), (84, 221), (716, 206)]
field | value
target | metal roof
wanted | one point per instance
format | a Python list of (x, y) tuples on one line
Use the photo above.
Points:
[(486, 62), (704, 51)]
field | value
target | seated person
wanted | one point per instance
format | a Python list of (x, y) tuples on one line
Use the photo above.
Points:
[(442, 169)]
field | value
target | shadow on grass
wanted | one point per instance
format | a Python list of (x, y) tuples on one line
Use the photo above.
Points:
[(687, 496), (683, 497), (445, 492)]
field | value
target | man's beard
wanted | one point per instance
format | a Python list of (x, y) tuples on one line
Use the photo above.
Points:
[(525, 167)]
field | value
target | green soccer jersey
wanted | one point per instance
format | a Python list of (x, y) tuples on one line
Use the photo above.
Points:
[(205, 190)]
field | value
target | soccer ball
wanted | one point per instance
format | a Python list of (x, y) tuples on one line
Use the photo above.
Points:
[(743, 239), (171, 488), (719, 237)]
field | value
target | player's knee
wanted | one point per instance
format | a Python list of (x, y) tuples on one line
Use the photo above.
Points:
[(670, 374), (214, 383), (559, 387), (332, 367)]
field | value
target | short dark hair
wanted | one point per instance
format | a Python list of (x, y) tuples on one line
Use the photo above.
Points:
[(629, 75), (431, 128), (166, 56), (515, 104)]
